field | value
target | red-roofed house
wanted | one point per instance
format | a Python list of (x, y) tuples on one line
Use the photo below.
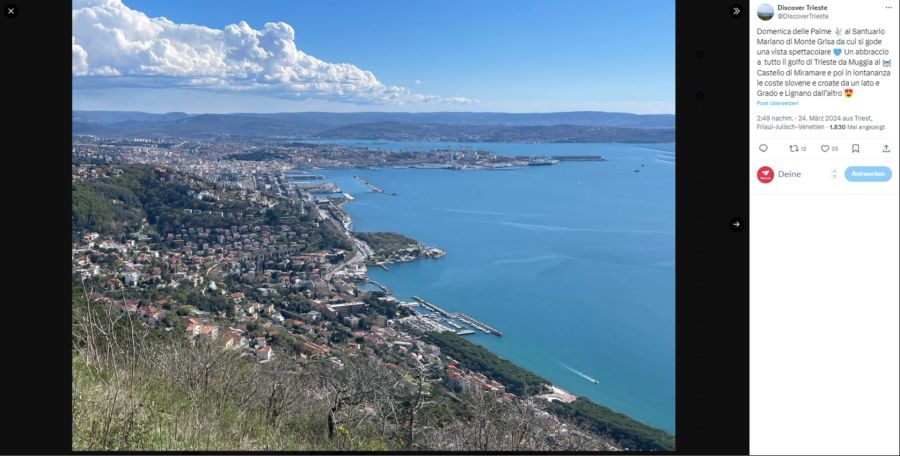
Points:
[(152, 314), (264, 353), (193, 329), (315, 349), (209, 331), (129, 306), (233, 340)]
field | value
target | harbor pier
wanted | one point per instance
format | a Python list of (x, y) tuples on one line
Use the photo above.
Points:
[(372, 186)]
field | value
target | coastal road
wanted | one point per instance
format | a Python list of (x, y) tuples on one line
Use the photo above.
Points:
[(361, 250)]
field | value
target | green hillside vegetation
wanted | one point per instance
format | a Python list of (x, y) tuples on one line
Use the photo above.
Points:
[(120, 201), (588, 415), (477, 358), (93, 208), (140, 389), (628, 432), (384, 243)]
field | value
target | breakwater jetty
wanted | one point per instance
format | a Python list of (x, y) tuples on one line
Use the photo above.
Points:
[(578, 158), (432, 307), (372, 186), (379, 285), (478, 325)]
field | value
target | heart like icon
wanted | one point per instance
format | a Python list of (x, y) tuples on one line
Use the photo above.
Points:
[(837, 52), (824, 148)]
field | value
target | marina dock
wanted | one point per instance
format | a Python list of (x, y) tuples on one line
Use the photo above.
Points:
[(461, 316), (478, 325), (373, 187), (379, 285), (305, 176), (432, 307)]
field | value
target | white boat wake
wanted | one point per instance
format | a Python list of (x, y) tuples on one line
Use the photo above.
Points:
[(579, 373)]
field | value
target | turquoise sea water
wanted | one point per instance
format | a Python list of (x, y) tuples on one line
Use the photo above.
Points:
[(575, 263)]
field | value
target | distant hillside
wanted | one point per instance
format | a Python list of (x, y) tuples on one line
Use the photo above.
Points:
[(398, 131), (584, 126), (104, 117), (204, 125), (336, 119)]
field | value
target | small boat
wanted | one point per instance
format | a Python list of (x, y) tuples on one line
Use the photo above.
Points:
[(595, 382)]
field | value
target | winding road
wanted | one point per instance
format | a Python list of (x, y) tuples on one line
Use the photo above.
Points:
[(361, 250)]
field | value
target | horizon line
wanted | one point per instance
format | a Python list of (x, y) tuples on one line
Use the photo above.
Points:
[(372, 112)]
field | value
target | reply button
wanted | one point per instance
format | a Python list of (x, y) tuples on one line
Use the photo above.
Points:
[(868, 174)]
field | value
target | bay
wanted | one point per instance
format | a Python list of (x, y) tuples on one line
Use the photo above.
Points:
[(574, 263)]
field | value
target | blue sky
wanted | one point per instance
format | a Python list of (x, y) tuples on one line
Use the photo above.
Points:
[(485, 55)]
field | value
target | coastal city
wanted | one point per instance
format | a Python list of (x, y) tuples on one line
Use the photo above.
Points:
[(241, 245), (307, 227), (218, 159), (325, 276)]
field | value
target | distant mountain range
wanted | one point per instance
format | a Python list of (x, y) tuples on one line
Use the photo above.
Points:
[(582, 126), (397, 131)]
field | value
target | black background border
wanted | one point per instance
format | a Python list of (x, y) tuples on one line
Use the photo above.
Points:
[(712, 262), (712, 271)]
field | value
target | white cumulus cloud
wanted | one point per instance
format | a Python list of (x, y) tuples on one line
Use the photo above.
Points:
[(114, 45)]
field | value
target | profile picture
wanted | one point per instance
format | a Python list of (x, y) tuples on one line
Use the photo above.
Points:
[(765, 11)]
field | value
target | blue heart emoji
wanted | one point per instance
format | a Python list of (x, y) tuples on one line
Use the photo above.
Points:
[(837, 52)]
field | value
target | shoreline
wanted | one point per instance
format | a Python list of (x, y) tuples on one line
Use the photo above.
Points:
[(557, 394)]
